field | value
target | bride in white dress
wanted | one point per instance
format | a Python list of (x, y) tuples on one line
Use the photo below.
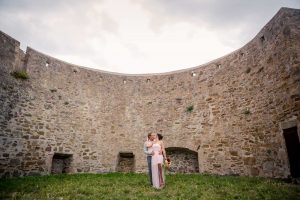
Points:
[(158, 176)]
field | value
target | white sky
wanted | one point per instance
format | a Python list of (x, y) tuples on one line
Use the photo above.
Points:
[(137, 36)]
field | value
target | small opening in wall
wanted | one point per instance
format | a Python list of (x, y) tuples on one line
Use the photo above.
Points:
[(61, 163), (178, 100), (194, 74), (148, 80), (124, 81), (262, 39), (47, 63), (125, 162), (219, 66)]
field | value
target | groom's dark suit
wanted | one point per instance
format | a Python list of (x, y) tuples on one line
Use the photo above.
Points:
[(148, 152)]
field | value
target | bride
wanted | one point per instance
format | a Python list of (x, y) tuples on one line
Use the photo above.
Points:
[(158, 156)]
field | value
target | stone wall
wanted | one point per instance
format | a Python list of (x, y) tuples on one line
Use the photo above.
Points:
[(241, 102)]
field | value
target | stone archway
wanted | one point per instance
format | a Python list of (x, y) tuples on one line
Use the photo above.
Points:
[(183, 160)]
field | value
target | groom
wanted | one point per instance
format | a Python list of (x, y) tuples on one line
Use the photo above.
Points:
[(149, 152)]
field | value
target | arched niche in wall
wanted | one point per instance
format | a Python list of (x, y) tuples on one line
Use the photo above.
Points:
[(61, 163), (183, 160)]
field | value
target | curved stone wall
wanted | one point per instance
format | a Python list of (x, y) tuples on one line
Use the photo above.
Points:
[(230, 111)]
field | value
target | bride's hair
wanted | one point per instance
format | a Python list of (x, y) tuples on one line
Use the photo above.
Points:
[(160, 137)]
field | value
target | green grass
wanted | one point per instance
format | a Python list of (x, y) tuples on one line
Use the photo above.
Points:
[(136, 186)]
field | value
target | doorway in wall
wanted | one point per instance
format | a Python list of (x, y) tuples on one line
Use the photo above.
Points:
[(293, 150)]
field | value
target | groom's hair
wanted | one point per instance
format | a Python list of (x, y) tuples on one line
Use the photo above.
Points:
[(149, 134)]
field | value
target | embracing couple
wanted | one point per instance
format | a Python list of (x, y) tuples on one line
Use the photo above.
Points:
[(156, 154)]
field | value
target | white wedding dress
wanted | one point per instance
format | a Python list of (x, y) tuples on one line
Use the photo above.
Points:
[(158, 178)]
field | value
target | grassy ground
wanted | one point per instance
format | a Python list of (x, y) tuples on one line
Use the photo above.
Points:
[(136, 186)]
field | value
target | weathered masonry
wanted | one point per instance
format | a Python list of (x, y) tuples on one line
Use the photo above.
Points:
[(239, 114)]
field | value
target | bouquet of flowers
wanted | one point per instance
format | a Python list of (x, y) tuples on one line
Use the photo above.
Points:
[(168, 163)]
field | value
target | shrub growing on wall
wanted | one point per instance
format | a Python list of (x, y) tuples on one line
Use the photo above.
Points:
[(20, 74), (190, 108)]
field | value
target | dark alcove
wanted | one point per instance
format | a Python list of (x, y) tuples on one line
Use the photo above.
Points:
[(61, 163), (183, 160), (293, 150), (125, 162)]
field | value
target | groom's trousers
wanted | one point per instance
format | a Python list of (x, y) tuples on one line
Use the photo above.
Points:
[(149, 168)]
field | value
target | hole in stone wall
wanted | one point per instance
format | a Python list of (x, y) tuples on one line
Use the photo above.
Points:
[(61, 163), (183, 160), (178, 100), (293, 150), (125, 162), (194, 74), (262, 39), (47, 63), (248, 70), (148, 80)]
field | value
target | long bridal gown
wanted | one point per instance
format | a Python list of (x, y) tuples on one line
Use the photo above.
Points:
[(158, 178)]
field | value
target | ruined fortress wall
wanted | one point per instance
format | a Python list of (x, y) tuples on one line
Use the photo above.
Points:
[(241, 103)]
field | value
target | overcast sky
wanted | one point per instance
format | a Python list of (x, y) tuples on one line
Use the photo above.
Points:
[(137, 36)]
